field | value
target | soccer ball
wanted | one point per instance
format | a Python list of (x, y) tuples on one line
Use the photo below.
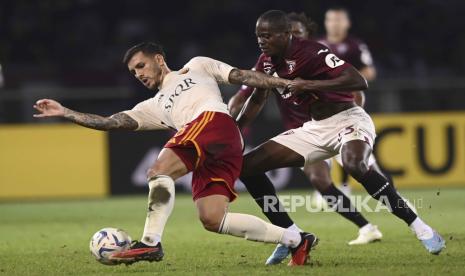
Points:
[(108, 241)]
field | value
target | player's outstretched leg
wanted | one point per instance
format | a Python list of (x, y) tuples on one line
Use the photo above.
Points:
[(320, 177), (270, 155), (160, 205), (215, 217), (355, 155)]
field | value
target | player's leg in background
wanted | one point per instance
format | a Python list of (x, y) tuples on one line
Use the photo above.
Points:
[(345, 185), (355, 154), (319, 175), (270, 155)]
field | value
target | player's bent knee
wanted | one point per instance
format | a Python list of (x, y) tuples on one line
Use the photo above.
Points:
[(320, 181), (356, 167), (160, 168), (211, 221)]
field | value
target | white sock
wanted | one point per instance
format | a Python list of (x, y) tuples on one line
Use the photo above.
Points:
[(366, 227), (291, 238), (421, 229), (295, 228), (160, 205), (255, 229), (346, 189)]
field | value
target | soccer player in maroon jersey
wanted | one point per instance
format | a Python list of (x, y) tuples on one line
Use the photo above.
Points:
[(323, 86), (318, 173)]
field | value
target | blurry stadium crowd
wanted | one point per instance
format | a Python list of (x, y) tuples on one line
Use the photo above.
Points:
[(79, 43)]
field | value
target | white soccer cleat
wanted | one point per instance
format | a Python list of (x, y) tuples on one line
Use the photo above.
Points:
[(366, 234)]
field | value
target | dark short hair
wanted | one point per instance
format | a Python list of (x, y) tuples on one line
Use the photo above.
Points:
[(147, 48), (277, 19), (306, 21)]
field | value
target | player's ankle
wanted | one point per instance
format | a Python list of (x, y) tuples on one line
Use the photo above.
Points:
[(151, 241), (422, 230), (294, 227), (291, 238)]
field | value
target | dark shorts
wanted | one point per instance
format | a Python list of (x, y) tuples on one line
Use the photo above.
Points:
[(211, 147)]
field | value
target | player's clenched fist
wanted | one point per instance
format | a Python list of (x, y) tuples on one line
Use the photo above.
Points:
[(297, 86), (49, 108)]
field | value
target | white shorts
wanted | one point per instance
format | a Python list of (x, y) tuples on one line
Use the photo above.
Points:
[(323, 139)]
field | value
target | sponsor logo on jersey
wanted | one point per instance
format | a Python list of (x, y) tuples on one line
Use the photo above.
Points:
[(185, 85), (333, 61)]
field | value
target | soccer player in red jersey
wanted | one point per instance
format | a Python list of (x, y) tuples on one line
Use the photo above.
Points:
[(323, 86), (208, 143), (319, 172)]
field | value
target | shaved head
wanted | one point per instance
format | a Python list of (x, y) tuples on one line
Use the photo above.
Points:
[(277, 20), (273, 33)]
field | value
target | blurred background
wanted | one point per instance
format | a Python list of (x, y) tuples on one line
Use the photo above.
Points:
[(72, 50)]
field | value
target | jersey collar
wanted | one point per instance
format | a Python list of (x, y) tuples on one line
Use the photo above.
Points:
[(168, 77)]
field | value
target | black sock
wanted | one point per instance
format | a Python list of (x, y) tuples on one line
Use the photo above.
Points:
[(378, 186), (263, 191), (344, 207)]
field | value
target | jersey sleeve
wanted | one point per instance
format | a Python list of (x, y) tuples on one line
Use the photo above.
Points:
[(322, 62), (365, 55), (147, 115), (217, 69)]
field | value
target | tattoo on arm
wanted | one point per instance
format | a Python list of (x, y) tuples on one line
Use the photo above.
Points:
[(256, 79), (116, 121)]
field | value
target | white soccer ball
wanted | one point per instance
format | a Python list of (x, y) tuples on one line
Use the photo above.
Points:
[(108, 241)]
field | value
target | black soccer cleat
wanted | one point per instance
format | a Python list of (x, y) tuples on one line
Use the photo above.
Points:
[(139, 251)]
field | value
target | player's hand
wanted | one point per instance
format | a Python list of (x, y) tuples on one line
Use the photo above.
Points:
[(49, 108), (297, 86)]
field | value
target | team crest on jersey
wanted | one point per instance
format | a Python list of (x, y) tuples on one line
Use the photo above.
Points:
[(267, 66), (290, 65)]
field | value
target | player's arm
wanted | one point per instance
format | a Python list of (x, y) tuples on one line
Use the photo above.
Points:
[(252, 107), (236, 103), (225, 73), (365, 61), (256, 79), (368, 72), (348, 80), (51, 108), (359, 98)]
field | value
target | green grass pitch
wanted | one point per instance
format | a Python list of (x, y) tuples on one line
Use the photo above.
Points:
[(51, 238)]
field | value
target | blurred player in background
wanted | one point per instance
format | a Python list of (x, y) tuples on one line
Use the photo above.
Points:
[(2, 83), (319, 173), (352, 50), (322, 86), (2, 79), (208, 143)]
